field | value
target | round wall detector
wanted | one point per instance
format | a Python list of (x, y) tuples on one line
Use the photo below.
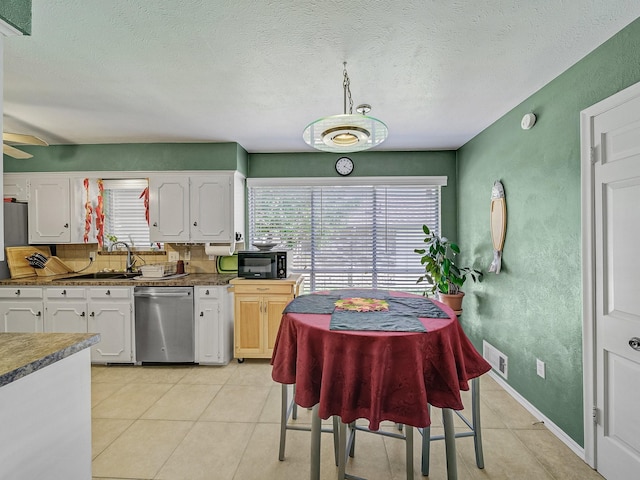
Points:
[(528, 121)]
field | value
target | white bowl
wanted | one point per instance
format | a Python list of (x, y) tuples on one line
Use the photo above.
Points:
[(264, 246)]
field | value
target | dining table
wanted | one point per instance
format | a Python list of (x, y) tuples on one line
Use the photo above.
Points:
[(374, 354)]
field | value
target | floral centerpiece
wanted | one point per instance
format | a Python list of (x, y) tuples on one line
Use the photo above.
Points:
[(358, 304)]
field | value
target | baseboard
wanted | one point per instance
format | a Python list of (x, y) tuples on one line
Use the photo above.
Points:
[(553, 428)]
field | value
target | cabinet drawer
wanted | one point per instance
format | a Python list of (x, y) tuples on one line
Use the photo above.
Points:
[(267, 288), (210, 292), (105, 293), (21, 292), (61, 293)]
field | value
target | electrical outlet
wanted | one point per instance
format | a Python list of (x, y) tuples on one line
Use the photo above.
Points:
[(173, 256), (540, 368), (92, 256), (187, 255)]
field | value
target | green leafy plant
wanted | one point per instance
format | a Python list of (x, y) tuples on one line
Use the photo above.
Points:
[(438, 259)]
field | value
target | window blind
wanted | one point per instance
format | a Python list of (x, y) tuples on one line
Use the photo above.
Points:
[(347, 235), (125, 213)]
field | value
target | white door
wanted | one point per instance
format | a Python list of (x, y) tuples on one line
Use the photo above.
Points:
[(66, 317), (211, 209), (113, 321), (21, 317), (616, 186), (49, 210), (169, 209)]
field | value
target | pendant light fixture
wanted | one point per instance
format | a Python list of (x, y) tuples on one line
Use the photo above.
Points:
[(349, 132)]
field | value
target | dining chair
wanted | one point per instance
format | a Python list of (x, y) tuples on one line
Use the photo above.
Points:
[(347, 445), (473, 425), (289, 410)]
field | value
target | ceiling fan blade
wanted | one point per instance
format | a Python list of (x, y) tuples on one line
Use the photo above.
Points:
[(14, 152), (23, 139)]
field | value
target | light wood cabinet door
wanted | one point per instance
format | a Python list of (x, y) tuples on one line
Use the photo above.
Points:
[(248, 332), (274, 305)]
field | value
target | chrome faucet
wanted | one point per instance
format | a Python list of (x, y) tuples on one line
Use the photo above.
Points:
[(130, 260)]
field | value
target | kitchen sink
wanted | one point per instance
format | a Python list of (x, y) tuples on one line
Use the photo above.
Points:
[(105, 276)]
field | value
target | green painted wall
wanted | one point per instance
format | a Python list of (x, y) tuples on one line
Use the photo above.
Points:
[(131, 157), (17, 13), (367, 164), (532, 309)]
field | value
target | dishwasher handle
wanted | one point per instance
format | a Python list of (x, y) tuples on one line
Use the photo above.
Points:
[(162, 294)]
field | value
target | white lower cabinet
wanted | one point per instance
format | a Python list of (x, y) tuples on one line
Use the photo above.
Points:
[(21, 310), (110, 314), (65, 310), (214, 325), (103, 310)]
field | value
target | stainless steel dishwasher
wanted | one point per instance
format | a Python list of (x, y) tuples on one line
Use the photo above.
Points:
[(164, 324)]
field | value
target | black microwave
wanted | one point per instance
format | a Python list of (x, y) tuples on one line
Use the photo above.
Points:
[(262, 265)]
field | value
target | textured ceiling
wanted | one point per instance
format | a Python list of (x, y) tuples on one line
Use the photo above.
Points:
[(257, 72)]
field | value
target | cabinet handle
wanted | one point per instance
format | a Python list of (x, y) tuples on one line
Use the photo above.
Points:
[(82, 314), (92, 314), (206, 292), (64, 292), (195, 224), (108, 292), (263, 289), (18, 292), (66, 225), (155, 224), (38, 314), (202, 314)]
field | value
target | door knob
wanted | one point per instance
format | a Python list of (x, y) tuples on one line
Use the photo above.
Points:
[(635, 343), (195, 224), (155, 224), (66, 225)]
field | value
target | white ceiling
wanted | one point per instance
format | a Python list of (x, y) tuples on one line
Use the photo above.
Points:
[(437, 72)]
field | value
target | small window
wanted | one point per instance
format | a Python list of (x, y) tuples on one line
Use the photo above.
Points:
[(125, 213)]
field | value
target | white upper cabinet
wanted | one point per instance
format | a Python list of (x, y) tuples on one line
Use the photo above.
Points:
[(56, 209), (169, 209), (49, 210), (203, 208)]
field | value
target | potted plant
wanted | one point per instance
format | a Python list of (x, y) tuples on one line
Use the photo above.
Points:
[(438, 259)]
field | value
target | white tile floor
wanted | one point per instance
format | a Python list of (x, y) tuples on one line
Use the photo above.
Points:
[(222, 423)]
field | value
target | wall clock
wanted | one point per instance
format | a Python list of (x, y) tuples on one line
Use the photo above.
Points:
[(344, 166)]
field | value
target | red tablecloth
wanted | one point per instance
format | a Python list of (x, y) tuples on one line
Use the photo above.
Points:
[(376, 375)]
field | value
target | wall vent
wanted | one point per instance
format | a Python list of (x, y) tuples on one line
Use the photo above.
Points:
[(496, 358)]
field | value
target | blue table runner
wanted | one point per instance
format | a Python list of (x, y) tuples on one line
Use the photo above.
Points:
[(402, 316)]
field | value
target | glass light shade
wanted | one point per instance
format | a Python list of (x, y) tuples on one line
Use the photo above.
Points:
[(345, 133)]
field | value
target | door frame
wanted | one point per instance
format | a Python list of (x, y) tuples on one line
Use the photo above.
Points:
[(588, 263)]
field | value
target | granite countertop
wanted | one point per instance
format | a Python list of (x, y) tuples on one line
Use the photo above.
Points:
[(25, 353), (192, 279)]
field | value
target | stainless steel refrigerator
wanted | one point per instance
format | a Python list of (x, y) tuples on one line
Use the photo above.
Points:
[(15, 230)]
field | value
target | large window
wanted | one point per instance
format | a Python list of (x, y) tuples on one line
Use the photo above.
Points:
[(361, 234)]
